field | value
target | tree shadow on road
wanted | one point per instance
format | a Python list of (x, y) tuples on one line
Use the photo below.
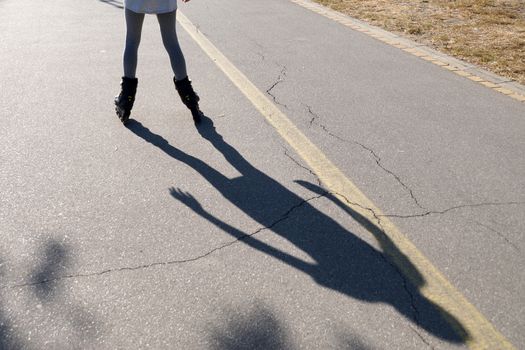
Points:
[(55, 259), (44, 304), (8, 340), (343, 261), (56, 300), (255, 329), (258, 327)]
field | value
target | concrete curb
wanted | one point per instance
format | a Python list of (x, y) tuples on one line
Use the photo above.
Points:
[(488, 79)]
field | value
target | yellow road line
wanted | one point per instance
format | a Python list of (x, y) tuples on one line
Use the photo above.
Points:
[(481, 333), (386, 37)]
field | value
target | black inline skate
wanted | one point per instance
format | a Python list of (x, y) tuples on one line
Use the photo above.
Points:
[(124, 101), (189, 97)]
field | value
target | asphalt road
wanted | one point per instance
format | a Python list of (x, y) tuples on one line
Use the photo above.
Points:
[(163, 235)]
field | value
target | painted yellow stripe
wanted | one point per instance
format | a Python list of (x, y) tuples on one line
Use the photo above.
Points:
[(481, 333)]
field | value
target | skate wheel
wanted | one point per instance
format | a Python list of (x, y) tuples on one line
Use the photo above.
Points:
[(122, 114)]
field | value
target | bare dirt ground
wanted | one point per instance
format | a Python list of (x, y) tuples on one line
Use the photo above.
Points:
[(488, 33)]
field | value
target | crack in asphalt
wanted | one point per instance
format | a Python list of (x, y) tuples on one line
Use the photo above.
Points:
[(315, 121), (283, 217), (280, 79), (377, 217), (199, 30), (404, 279), (427, 213), (381, 254), (413, 307), (302, 166), (504, 237), (260, 51), (441, 212), (261, 55), (404, 282), (420, 336), (398, 179)]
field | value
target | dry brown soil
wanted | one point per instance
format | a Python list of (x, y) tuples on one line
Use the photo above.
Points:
[(488, 33)]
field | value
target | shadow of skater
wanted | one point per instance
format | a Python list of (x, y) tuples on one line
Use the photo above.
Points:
[(343, 261)]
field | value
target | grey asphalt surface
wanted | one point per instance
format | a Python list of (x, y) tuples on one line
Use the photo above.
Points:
[(117, 237)]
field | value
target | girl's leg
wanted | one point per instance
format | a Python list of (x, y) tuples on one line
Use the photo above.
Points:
[(171, 43), (133, 32)]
